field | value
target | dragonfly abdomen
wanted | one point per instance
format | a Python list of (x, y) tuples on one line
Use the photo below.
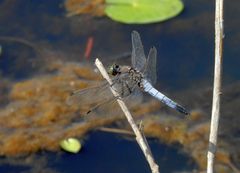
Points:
[(147, 87)]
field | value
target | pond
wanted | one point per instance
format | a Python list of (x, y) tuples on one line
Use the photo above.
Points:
[(45, 55)]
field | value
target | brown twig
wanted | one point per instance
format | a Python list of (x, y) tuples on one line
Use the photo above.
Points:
[(217, 85), (139, 135), (115, 130)]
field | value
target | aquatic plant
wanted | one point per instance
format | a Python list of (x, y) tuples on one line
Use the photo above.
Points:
[(71, 145), (127, 11), (142, 11)]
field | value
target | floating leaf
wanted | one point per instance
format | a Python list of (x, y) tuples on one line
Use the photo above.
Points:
[(142, 11), (71, 145)]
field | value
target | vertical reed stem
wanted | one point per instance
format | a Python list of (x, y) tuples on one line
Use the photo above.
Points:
[(217, 85)]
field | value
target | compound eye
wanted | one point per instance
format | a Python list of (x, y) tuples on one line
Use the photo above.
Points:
[(111, 70)]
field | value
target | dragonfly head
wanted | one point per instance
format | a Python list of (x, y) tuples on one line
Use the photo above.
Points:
[(114, 69)]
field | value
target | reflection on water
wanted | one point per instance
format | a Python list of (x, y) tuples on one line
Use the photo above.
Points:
[(34, 86)]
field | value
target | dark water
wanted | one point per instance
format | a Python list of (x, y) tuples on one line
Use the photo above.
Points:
[(186, 55), (185, 43), (118, 155), (104, 152)]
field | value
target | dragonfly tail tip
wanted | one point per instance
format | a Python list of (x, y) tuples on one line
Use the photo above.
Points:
[(182, 110)]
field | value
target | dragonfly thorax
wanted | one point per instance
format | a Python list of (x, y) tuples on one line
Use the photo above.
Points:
[(136, 76), (129, 76)]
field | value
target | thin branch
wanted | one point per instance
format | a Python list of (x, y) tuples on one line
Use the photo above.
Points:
[(139, 136), (115, 130), (217, 85)]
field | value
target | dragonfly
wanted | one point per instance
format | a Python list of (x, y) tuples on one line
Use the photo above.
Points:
[(127, 80)]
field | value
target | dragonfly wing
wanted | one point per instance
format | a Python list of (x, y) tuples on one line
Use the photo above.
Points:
[(135, 98), (150, 71), (99, 94), (92, 95), (96, 99), (129, 90), (110, 107), (138, 55)]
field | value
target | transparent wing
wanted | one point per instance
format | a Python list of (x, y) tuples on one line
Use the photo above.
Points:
[(110, 107), (100, 101), (150, 71), (97, 96), (138, 56), (93, 95)]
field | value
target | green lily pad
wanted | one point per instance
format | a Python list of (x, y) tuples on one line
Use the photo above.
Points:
[(71, 145), (142, 11)]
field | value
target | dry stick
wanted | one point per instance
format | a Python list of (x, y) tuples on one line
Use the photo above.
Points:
[(217, 85), (139, 136), (115, 130)]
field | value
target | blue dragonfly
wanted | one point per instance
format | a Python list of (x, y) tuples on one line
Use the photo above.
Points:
[(127, 80)]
